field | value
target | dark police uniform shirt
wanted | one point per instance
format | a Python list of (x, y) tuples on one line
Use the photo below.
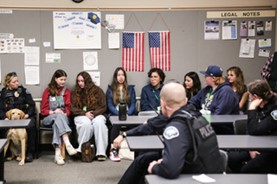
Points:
[(177, 141), (263, 121), (17, 98)]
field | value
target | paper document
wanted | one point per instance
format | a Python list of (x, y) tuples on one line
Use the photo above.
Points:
[(264, 53), (247, 48), (114, 41), (229, 30), (271, 178), (32, 75), (211, 30), (264, 43), (203, 178)]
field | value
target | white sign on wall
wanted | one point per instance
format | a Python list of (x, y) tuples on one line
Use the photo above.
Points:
[(77, 30)]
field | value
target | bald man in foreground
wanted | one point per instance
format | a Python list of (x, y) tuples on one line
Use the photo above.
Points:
[(177, 141)]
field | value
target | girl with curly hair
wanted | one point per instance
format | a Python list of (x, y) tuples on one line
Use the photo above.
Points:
[(89, 105)]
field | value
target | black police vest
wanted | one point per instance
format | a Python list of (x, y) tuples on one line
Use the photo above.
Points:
[(14, 99), (205, 156)]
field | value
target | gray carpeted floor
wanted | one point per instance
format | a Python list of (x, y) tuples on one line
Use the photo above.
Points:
[(45, 171)]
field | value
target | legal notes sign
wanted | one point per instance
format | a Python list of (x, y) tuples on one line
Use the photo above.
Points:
[(241, 14)]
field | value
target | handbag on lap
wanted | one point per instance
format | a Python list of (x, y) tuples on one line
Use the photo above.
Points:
[(88, 152)]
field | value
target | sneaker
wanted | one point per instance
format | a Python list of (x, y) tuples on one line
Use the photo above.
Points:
[(59, 159), (70, 150), (101, 158), (114, 155)]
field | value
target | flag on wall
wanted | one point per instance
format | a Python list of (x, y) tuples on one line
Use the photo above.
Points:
[(133, 51), (159, 43)]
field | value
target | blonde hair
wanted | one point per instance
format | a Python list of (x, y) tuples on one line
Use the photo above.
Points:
[(8, 78)]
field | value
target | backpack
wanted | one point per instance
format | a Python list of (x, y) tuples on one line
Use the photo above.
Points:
[(204, 156)]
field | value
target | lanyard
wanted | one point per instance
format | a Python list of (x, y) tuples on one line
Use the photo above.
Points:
[(209, 98), (157, 98)]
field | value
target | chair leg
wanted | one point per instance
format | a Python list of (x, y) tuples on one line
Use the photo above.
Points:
[(38, 143)]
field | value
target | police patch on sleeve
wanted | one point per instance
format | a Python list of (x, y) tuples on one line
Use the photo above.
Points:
[(170, 132), (274, 114)]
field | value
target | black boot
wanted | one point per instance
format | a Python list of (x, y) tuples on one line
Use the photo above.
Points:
[(29, 157)]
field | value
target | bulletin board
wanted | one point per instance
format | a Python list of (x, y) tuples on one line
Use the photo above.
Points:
[(188, 48)]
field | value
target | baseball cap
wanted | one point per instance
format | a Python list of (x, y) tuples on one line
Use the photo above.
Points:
[(213, 70)]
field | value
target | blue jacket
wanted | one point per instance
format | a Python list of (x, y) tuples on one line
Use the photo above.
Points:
[(222, 101), (150, 97), (112, 108)]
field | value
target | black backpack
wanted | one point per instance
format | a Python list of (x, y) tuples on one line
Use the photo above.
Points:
[(205, 156)]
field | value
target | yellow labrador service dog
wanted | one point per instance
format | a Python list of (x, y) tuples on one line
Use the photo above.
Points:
[(16, 138)]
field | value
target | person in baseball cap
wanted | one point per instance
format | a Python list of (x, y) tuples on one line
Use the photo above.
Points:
[(213, 71), (217, 97)]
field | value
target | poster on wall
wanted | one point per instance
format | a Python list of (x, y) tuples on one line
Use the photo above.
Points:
[(229, 30), (247, 48), (211, 30), (77, 30), (12, 45)]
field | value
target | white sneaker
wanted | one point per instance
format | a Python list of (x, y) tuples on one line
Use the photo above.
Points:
[(59, 159), (114, 155), (70, 150)]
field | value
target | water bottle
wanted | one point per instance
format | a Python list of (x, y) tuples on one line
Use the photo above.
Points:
[(122, 112)]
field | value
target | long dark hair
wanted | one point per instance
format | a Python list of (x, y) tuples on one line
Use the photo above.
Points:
[(196, 84), (53, 86), (261, 89), (89, 91), (115, 87)]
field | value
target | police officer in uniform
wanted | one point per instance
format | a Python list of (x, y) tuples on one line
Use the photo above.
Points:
[(13, 96), (262, 120), (177, 141)]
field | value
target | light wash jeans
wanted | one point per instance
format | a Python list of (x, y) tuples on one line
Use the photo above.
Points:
[(86, 128), (60, 125)]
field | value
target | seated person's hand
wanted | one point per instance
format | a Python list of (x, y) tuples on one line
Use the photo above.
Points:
[(58, 111), (26, 116), (253, 154), (89, 114), (256, 101), (151, 165), (117, 141)]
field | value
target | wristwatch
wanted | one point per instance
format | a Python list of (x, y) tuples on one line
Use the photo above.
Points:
[(123, 134)]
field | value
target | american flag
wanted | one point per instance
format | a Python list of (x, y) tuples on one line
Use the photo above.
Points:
[(133, 51), (159, 43)]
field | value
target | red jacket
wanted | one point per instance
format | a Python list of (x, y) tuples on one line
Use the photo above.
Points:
[(44, 108)]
